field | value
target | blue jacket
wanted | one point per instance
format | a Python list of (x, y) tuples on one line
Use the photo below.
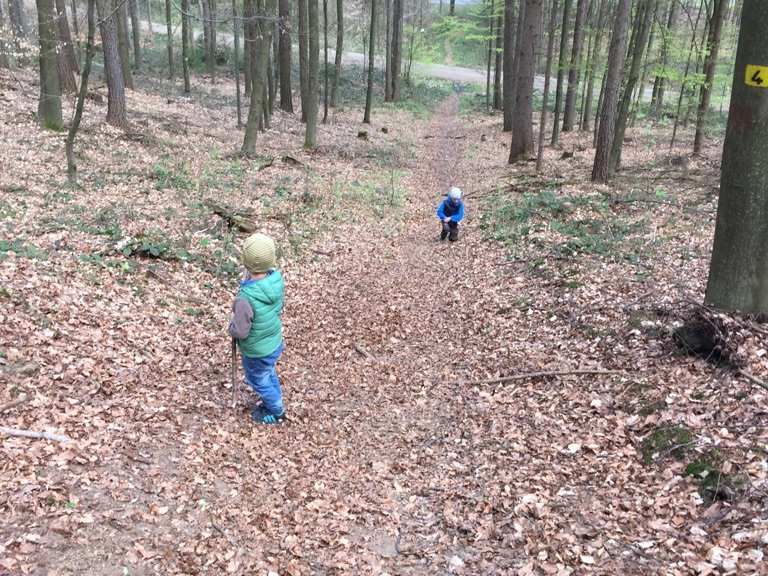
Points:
[(448, 208)]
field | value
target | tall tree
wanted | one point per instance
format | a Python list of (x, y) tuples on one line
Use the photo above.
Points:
[(284, 51), (371, 57), (121, 11), (339, 51), (593, 59), (116, 110), (610, 101), (5, 49), (547, 74), (81, 94), (303, 58), (397, 47), (498, 54), (213, 14), (508, 60), (66, 60), (235, 62), (452, 8), (561, 64), (259, 34), (642, 27), (133, 7), (659, 83), (310, 136), (491, 21), (712, 48), (325, 61), (149, 17), (185, 47), (738, 274), (387, 50), (574, 71), (522, 128), (49, 103), (169, 37), (18, 18)]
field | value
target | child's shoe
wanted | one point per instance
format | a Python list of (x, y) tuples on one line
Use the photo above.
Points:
[(261, 416), (443, 234)]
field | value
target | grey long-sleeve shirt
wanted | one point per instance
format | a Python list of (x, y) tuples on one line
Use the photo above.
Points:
[(242, 317)]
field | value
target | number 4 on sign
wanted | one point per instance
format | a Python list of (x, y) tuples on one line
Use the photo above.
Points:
[(756, 76)]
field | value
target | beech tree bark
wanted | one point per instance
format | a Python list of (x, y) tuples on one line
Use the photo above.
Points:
[(339, 51), (169, 37), (133, 6), (121, 11), (313, 80), (738, 274), (561, 64), (185, 48), (371, 57), (397, 47), (303, 58), (66, 61), (508, 60), (259, 30)]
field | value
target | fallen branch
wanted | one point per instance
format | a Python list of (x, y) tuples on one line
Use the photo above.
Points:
[(753, 379), (362, 351), (19, 401), (33, 434), (529, 375)]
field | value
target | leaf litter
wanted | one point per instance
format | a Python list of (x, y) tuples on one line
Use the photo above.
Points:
[(387, 466)]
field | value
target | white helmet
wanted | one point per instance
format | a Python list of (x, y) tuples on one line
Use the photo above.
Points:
[(454, 193)]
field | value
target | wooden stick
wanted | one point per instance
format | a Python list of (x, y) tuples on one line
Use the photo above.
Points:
[(234, 373), (753, 379), (363, 352), (33, 434), (529, 375), (17, 402)]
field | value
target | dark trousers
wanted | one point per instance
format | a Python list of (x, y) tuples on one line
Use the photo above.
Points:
[(450, 230)]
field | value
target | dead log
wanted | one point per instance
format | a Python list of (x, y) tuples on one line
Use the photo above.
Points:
[(237, 218), (34, 435)]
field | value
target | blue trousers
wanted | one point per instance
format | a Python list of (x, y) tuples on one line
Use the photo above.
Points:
[(261, 375)]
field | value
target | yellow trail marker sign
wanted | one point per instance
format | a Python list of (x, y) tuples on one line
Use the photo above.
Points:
[(756, 76)]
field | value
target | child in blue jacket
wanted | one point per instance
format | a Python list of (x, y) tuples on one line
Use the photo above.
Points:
[(450, 212)]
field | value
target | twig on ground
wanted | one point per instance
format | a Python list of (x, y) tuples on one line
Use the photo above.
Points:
[(363, 352), (530, 375), (18, 402), (753, 379), (34, 435)]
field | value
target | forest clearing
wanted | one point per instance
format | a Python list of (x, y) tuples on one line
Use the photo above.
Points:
[(564, 389)]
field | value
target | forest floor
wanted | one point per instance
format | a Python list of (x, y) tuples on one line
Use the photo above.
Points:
[(402, 455)]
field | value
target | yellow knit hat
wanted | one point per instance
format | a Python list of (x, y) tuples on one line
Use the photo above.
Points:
[(259, 253)]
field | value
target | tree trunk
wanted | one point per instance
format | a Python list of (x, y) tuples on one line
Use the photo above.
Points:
[(236, 64), (519, 41), (205, 12), (547, 74), (5, 48), (712, 48), (561, 64), (339, 52), (609, 105), (49, 103), (116, 112), (185, 44), (121, 10), (133, 6), (489, 59), (594, 57), (738, 274), (66, 62), (397, 47), (284, 50), (149, 19), (325, 61), (452, 8), (574, 71), (19, 25), (212, 11), (169, 37), (508, 60), (310, 136), (82, 93), (303, 58), (66, 45), (387, 50), (371, 57), (661, 80), (684, 81), (498, 63), (642, 25), (259, 34), (648, 50), (522, 129)]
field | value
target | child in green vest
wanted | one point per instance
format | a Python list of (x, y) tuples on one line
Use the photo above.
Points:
[(257, 327)]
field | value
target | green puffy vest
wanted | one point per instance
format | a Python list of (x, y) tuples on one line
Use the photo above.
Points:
[(266, 299)]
